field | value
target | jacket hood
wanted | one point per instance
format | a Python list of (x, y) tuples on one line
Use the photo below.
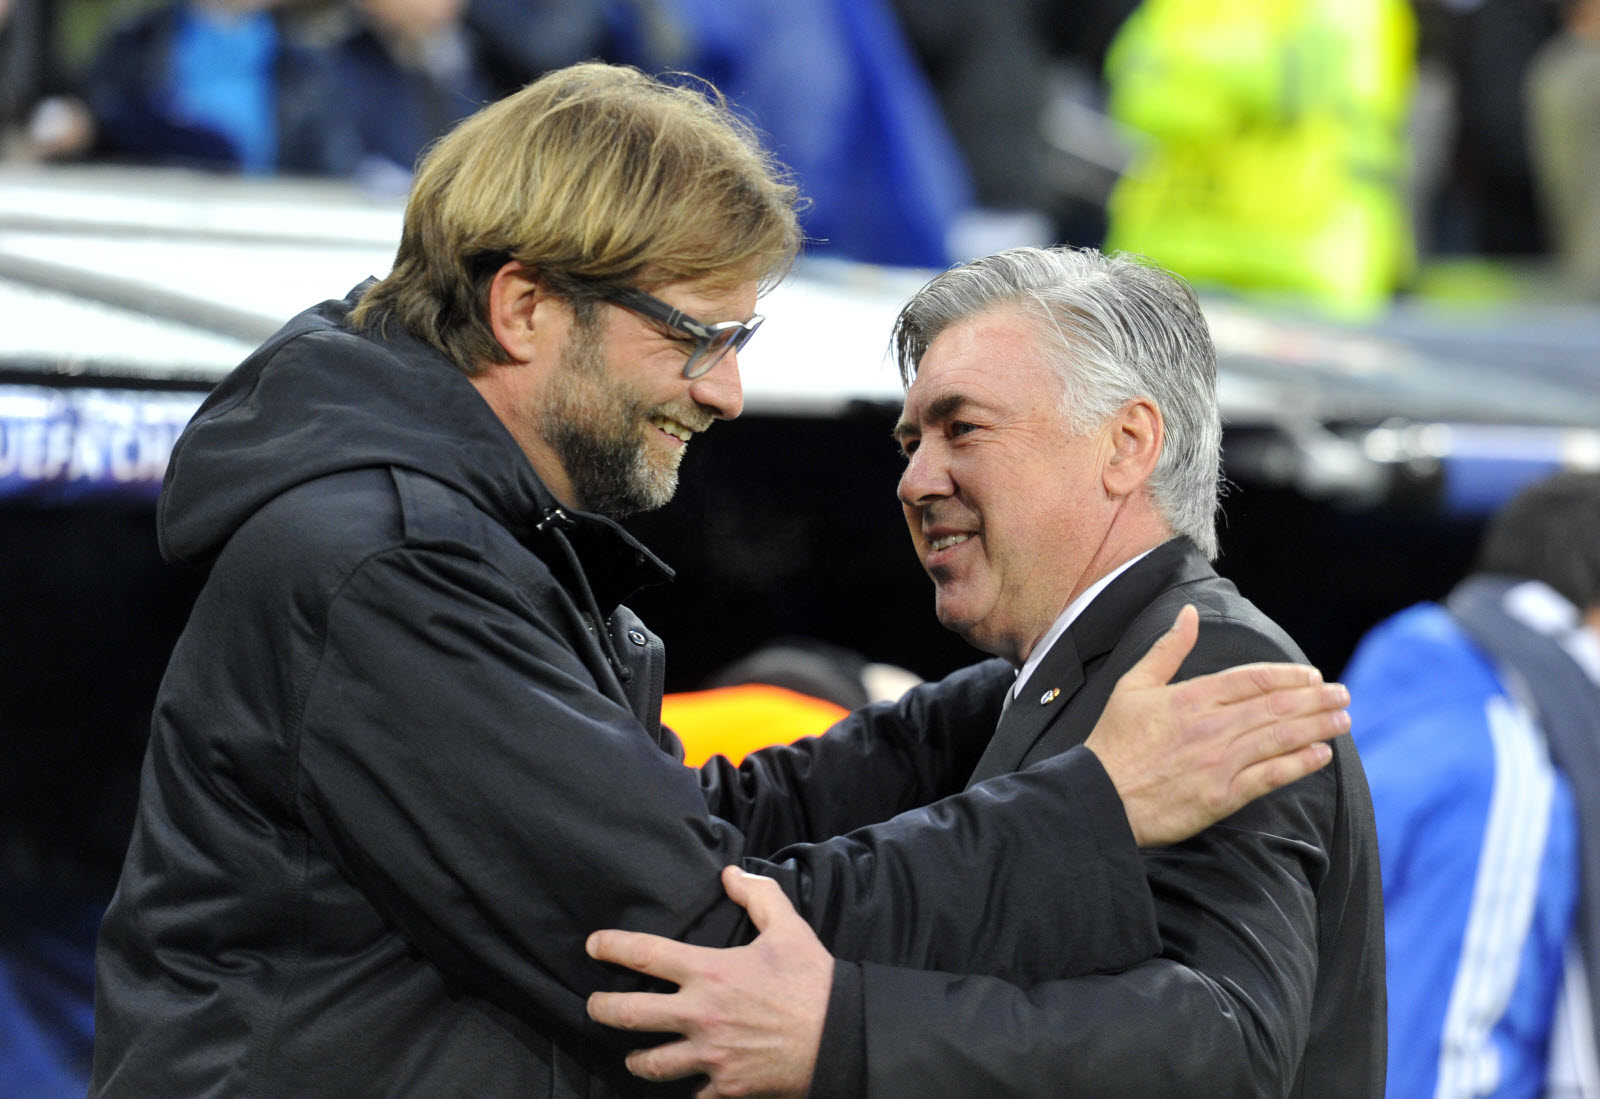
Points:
[(317, 399)]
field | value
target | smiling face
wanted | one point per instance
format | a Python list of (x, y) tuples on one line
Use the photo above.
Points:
[(619, 434), (602, 409), (603, 432), (1007, 507)]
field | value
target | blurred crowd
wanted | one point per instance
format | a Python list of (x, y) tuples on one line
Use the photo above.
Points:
[(1312, 150)]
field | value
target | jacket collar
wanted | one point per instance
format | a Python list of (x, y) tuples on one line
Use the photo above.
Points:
[(614, 564), (1060, 675), (1102, 623)]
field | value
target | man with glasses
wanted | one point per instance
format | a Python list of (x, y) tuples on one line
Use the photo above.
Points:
[(710, 341), (407, 754)]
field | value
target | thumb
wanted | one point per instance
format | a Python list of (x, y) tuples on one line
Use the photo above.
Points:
[(761, 897), (1161, 663)]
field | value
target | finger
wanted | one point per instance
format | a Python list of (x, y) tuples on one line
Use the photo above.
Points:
[(1247, 681), (649, 954), (1287, 734), (1157, 667), (735, 884), (1278, 771), (654, 1011), (673, 1061), (1261, 712), (1303, 701), (762, 897)]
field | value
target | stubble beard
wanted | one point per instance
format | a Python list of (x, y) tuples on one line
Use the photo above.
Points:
[(600, 433)]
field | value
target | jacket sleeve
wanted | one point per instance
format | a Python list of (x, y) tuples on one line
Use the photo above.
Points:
[(880, 760), (1224, 1010), (458, 763)]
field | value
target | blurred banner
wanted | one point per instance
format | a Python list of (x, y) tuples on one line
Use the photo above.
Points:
[(59, 445)]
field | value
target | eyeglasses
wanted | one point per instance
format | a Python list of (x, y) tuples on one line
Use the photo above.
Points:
[(711, 341)]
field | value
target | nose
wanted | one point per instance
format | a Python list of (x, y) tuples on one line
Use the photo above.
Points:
[(719, 388), (926, 476)]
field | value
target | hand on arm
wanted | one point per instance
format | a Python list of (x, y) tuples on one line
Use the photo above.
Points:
[(1185, 755), (750, 1017)]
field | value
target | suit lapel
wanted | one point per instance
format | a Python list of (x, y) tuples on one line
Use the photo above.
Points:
[(1060, 676), (1028, 716)]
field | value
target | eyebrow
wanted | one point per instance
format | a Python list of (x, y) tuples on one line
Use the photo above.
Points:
[(942, 408)]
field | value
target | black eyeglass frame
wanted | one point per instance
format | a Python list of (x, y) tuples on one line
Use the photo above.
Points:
[(712, 341)]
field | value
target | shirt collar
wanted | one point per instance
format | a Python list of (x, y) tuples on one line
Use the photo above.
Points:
[(1067, 618)]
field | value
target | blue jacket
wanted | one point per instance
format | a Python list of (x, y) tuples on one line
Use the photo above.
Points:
[(1478, 837)]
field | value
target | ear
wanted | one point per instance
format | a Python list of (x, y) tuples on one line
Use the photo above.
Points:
[(1134, 436), (515, 295)]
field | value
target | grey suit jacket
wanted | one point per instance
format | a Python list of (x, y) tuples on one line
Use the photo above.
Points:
[(1270, 980)]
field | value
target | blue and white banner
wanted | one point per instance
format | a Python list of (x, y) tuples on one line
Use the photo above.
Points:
[(65, 444)]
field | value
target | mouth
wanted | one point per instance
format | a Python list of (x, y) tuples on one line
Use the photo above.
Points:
[(944, 542), (669, 426)]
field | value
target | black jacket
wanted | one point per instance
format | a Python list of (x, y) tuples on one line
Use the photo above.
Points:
[(406, 757), (1271, 975)]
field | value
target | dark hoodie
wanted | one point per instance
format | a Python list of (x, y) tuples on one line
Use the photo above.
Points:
[(407, 756)]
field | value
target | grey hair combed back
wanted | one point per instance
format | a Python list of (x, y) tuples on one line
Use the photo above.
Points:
[(1115, 327)]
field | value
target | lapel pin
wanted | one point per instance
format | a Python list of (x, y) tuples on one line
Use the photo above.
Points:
[(1049, 696)]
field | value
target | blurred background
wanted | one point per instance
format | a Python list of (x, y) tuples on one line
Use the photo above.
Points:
[(1391, 209)]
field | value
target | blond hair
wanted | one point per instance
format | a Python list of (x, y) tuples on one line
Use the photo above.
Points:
[(592, 176)]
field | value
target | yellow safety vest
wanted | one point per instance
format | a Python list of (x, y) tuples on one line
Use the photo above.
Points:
[(1270, 145)]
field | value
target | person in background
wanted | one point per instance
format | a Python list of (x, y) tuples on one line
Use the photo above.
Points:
[(217, 84), (1479, 721), (41, 116), (408, 71), (1563, 95), (1487, 203), (837, 92), (521, 40), (987, 65), (1269, 146)]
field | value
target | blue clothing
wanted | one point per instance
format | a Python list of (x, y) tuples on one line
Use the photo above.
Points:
[(223, 79), (840, 99), (398, 109), (153, 89), (1478, 836), (46, 991)]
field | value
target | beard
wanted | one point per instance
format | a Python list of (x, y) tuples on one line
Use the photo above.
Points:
[(600, 432)]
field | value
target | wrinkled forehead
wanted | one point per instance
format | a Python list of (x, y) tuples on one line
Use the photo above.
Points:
[(993, 361), (993, 343), (919, 336)]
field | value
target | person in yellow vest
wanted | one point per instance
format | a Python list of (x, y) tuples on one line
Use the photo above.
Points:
[(1269, 145)]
